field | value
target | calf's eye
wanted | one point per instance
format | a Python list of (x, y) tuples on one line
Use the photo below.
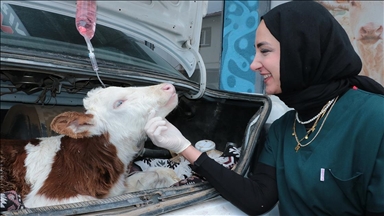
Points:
[(118, 103)]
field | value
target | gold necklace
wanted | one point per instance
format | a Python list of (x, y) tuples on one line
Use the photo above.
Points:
[(310, 130)]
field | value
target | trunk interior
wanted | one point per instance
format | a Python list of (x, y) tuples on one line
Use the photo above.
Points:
[(32, 98)]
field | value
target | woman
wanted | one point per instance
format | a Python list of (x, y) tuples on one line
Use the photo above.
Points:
[(325, 157)]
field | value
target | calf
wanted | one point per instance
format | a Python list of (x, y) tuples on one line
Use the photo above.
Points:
[(366, 21), (363, 21), (89, 160)]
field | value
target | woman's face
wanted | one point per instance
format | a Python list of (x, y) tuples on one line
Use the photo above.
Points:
[(267, 59)]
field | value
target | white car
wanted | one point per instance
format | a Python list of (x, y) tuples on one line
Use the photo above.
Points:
[(45, 70)]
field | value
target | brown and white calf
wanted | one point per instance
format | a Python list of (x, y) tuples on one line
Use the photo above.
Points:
[(89, 159)]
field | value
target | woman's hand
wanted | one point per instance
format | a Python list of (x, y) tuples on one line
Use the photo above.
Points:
[(163, 134)]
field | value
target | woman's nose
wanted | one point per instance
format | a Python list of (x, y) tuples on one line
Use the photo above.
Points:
[(255, 65)]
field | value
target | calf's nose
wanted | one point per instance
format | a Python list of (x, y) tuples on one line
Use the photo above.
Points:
[(168, 88), (371, 30)]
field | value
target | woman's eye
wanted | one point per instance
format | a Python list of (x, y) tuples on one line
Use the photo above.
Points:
[(264, 50)]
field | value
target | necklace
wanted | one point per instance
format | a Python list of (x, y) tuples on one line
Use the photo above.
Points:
[(312, 129), (317, 116)]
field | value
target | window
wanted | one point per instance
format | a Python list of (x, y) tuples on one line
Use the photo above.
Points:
[(205, 37)]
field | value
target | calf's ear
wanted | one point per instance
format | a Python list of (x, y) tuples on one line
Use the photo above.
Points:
[(73, 124)]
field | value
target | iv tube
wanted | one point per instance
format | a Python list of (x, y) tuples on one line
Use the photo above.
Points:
[(86, 25)]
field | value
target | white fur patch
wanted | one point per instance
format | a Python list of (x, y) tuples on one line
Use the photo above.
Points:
[(38, 164), (154, 177)]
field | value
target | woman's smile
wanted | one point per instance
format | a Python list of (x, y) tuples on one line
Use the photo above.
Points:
[(267, 77)]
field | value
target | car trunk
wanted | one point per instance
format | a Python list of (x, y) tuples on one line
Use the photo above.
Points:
[(222, 117)]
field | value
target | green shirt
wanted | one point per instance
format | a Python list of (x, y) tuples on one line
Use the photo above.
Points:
[(342, 171)]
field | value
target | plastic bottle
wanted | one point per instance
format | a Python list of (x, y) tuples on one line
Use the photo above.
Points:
[(86, 18), (86, 25)]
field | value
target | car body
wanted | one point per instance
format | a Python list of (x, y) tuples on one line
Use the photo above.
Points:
[(45, 70)]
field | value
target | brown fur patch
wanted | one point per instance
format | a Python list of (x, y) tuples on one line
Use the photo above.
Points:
[(12, 157), (61, 124), (85, 166)]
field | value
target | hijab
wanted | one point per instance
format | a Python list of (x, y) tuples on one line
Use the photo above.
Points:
[(317, 60)]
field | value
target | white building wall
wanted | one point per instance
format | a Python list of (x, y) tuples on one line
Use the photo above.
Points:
[(212, 54)]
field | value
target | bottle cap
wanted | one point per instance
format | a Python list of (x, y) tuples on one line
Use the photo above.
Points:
[(205, 145)]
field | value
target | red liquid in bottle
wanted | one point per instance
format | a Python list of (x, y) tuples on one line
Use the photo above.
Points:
[(86, 18)]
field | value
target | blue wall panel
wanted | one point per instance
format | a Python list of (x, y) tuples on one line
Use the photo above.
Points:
[(239, 24)]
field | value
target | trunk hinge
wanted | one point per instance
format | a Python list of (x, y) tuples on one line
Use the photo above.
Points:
[(203, 72)]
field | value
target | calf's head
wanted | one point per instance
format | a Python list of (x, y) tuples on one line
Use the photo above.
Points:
[(117, 112)]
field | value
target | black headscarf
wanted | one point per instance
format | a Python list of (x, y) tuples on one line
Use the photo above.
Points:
[(317, 60)]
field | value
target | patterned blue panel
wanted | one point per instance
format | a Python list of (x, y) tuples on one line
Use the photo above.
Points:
[(240, 21)]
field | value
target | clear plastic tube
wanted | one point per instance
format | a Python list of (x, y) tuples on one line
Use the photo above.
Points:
[(92, 56)]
